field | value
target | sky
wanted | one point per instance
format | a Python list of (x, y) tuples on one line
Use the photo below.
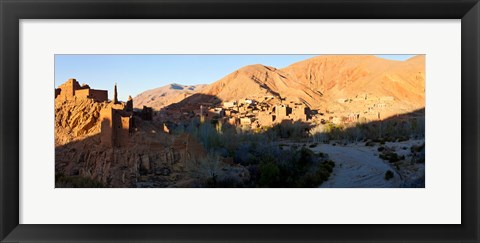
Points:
[(137, 73)]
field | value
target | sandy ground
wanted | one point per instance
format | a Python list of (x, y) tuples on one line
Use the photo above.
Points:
[(357, 165)]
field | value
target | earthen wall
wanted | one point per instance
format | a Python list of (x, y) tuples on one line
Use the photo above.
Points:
[(106, 135)]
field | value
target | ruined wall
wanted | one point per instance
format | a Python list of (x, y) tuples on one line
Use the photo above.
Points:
[(106, 135), (245, 121), (282, 112), (98, 95), (95, 94), (122, 130), (116, 126), (147, 113), (265, 119), (67, 89), (299, 113), (82, 93), (71, 90)]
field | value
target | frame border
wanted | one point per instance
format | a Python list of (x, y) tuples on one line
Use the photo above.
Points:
[(11, 11)]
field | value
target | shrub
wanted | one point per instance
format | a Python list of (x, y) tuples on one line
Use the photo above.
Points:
[(295, 130), (319, 134), (207, 169), (388, 175), (392, 157), (370, 143), (311, 180), (316, 178), (306, 157), (417, 148), (63, 181), (269, 174)]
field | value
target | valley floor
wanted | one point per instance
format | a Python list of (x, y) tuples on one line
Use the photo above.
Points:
[(359, 166)]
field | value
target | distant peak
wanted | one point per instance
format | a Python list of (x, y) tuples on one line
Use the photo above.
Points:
[(177, 86)]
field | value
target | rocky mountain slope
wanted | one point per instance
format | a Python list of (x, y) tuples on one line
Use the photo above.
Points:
[(348, 76), (76, 120), (321, 81)]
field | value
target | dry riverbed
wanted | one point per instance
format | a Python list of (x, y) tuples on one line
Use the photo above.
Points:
[(359, 166)]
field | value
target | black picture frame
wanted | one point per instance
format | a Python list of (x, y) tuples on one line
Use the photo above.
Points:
[(12, 11)]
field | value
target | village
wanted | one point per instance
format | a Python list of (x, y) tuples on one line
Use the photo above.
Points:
[(117, 118), (256, 127), (257, 113)]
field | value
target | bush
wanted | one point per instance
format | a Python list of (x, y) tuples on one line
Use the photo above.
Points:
[(392, 157), (319, 134), (417, 148), (207, 169), (388, 175), (62, 181), (269, 175), (290, 130), (321, 174), (307, 157), (313, 145), (370, 143), (310, 180)]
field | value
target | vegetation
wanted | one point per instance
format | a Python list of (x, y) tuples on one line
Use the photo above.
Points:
[(394, 130), (388, 175), (418, 153), (63, 181), (269, 163), (390, 156), (272, 159)]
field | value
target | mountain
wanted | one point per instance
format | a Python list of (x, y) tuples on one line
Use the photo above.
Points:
[(348, 76), (321, 81), (258, 81), (166, 95)]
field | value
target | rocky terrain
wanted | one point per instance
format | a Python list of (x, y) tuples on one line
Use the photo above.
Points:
[(152, 159)]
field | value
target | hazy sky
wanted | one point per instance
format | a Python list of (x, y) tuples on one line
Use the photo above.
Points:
[(137, 73)]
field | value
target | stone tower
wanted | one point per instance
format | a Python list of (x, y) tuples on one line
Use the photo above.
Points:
[(115, 98), (129, 106)]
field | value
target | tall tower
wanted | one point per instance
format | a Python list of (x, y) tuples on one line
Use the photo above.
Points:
[(115, 99), (129, 106)]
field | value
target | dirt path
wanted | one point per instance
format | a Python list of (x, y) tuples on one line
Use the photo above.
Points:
[(357, 166)]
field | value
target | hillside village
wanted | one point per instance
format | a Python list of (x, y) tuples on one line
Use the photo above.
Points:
[(213, 138), (256, 113), (117, 120)]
